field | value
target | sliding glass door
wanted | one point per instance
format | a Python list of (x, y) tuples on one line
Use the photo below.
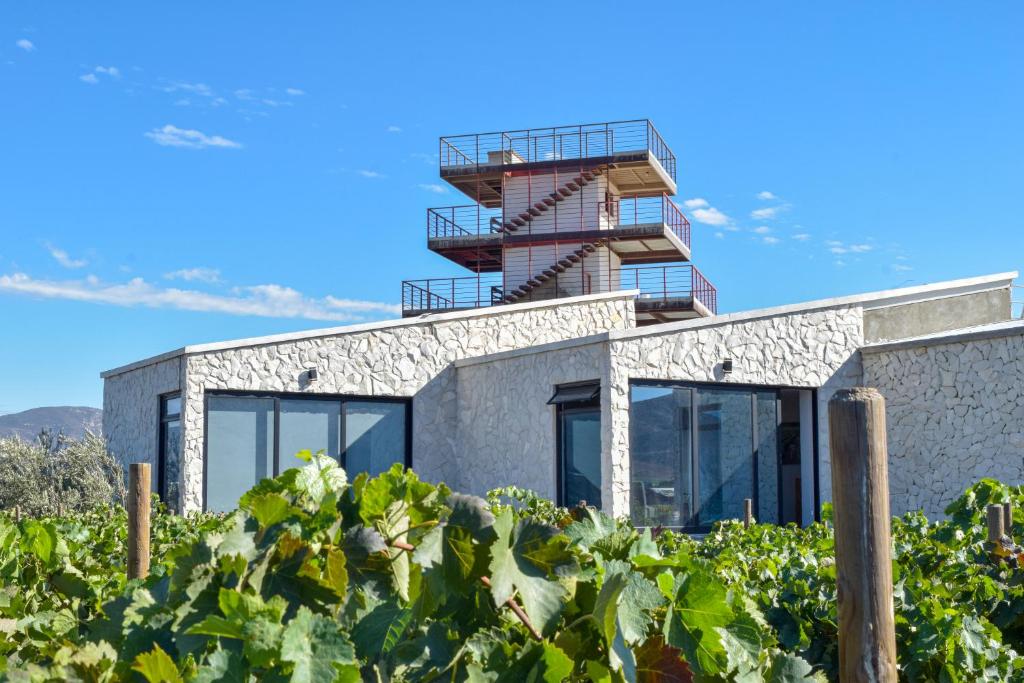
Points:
[(698, 450)]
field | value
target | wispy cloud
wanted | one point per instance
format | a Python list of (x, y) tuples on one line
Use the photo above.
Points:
[(901, 267), (294, 92), (172, 136), (839, 248), (111, 71), (768, 239), (802, 236), (394, 129), (200, 89), (762, 230), (62, 257), (766, 213), (696, 203), (765, 195), (89, 78), (710, 216), (434, 187), (194, 275), (25, 44), (366, 173), (272, 301)]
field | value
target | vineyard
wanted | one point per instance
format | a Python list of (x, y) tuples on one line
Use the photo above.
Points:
[(315, 578)]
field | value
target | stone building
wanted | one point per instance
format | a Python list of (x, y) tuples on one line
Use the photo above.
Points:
[(583, 358)]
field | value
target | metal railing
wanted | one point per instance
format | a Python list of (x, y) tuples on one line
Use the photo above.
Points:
[(453, 293), (624, 212), (462, 221), (557, 144), (666, 285)]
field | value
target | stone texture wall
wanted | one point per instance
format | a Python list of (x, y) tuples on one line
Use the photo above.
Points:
[(507, 432), (955, 414), (815, 349), (131, 410), (404, 360)]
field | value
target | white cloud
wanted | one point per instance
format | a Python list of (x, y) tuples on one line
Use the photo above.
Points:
[(838, 250), (194, 275), (200, 89), (766, 195), (64, 259), (710, 216), (272, 301), (366, 173), (25, 44), (771, 240), (244, 94), (394, 129), (765, 213), (833, 243), (840, 263), (860, 248), (172, 136), (434, 187), (276, 103), (695, 203), (294, 92), (762, 230), (111, 71), (719, 234), (89, 78), (901, 267), (801, 236)]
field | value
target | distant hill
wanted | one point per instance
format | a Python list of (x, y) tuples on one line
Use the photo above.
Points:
[(73, 420)]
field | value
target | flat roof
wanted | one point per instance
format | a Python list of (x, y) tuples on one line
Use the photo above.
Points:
[(1007, 328)]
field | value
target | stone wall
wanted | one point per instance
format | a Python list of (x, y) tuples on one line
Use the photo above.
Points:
[(955, 414), (813, 349), (506, 429), (407, 359), (131, 410)]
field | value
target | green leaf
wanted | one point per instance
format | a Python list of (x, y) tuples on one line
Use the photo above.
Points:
[(270, 508), (380, 630), (788, 668), (657, 662), (316, 647), (538, 663), (221, 666), (526, 560), (639, 598), (156, 666)]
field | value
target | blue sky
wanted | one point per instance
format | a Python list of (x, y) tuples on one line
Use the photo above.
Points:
[(190, 172)]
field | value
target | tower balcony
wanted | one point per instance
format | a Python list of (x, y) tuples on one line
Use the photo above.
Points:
[(638, 229), (636, 157), (666, 293)]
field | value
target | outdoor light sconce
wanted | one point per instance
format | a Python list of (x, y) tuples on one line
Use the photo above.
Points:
[(727, 365), (311, 375)]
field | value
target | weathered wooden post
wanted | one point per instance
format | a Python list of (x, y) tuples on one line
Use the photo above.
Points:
[(995, 518), (138, 520), (748, 512), (1008, 519), (17, 514), (860, 495)]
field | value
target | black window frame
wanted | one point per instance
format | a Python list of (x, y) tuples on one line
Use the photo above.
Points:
[(278, 396), (561, 409), (161, 462), (697, 528)]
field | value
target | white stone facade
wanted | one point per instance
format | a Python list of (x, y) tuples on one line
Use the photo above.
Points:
[(955, 414), (480, 382)]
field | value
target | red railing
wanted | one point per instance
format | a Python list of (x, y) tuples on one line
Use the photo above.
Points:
[(556, 144), (665, 284), (462, 221), (625, 212)]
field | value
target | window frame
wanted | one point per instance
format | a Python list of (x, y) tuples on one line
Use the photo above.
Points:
[(278, 396), (161, 455), (694, 527), (560, 410)]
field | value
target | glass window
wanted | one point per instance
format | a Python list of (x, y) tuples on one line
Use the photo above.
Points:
[(724, 453), (767, 444), (581, 454), (660, 446), (239, 447), (306, 424), (169, 462), (374, 436)]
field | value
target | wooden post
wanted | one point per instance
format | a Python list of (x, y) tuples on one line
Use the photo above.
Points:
[(748, 512), (1008, 519), (860, 495), (17, 514), (138, 520), (995, 522)]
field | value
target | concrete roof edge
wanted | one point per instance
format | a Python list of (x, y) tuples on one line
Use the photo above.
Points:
[(1007, 328), (589, 340), (370, 327), (879, 299)]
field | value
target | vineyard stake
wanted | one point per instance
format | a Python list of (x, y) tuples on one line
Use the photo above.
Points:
[(1008, 519), (17, 514), (995, 515), (748, 512), (138, 520), (860, 494)]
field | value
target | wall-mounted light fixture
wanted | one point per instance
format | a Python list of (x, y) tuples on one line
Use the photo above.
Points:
[(727, 365), (311, 375)]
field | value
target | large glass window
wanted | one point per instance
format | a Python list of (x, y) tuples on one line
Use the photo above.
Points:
[(374, 436), (697, 451), (239, 447), (255, 436), (169, 465)]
